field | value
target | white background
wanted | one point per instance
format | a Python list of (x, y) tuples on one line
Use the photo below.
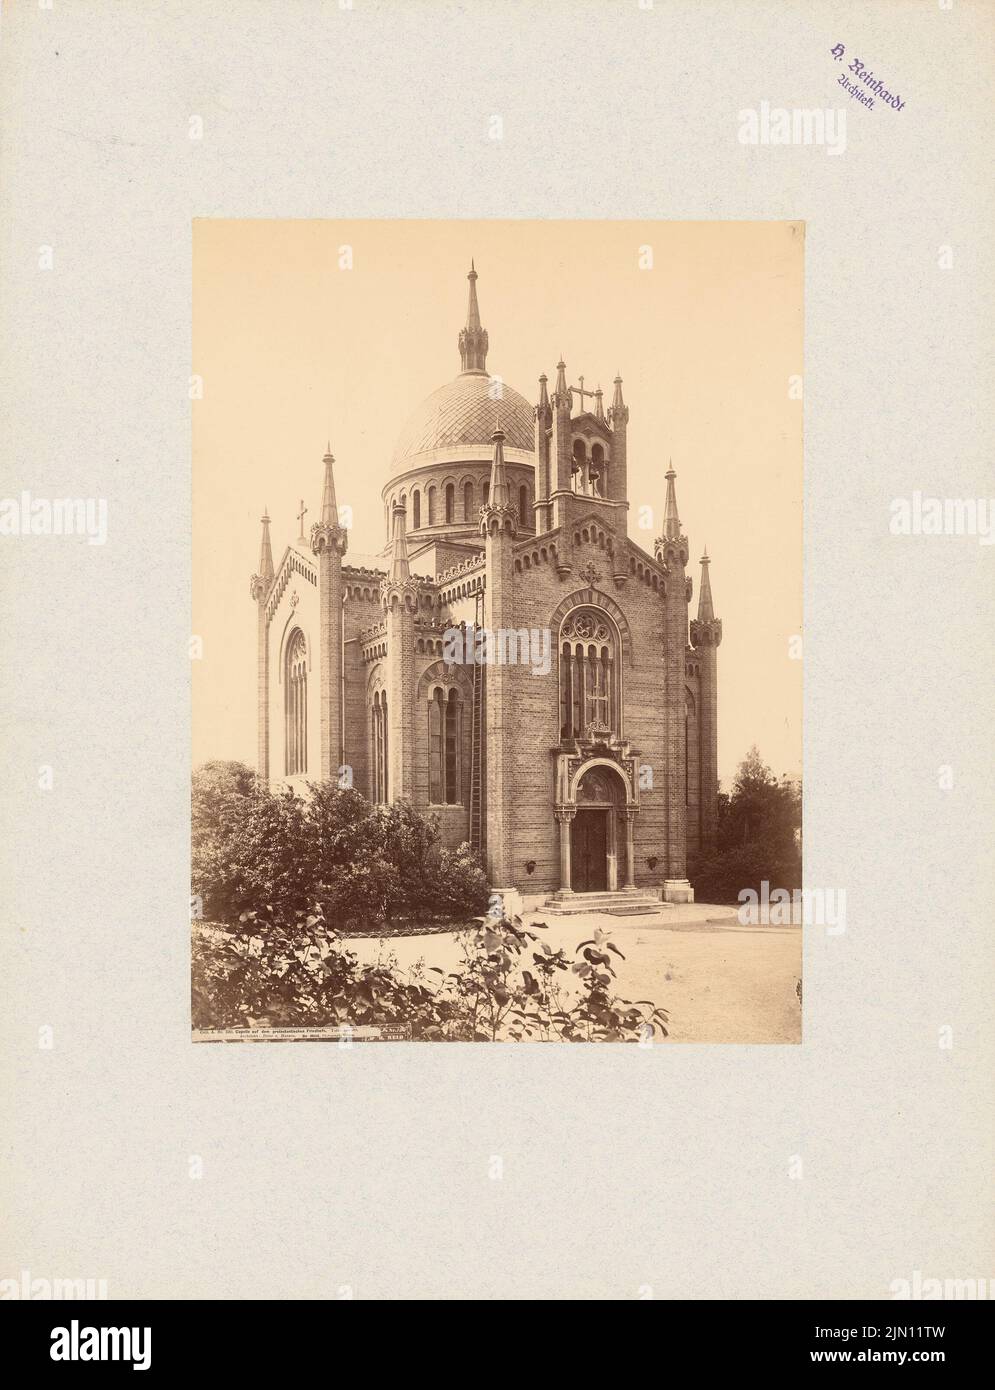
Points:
[(368, 1168)]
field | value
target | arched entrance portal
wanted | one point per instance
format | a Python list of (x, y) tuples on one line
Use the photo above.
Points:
[(595, 832)]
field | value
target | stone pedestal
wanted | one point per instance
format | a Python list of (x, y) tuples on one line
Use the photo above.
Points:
[(677, 890), (511, 901)]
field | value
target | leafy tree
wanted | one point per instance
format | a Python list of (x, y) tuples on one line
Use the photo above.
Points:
[(758, 836), (760, 807), (212, 785), (222, 797)]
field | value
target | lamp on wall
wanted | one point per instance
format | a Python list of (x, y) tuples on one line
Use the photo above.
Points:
[(530, 865), (652, 861)]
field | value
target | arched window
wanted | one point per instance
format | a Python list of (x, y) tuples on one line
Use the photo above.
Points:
[(690, 732), (430, 500), (523, 505), (435, 748), (687, 757), (487, 493), (450, 503), (468, 502), (445, 737), (415, 509), (380, 748), (295, 705), (590, 697), (453, 739)]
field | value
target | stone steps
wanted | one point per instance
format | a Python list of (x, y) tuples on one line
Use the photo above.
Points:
[(621, 904)]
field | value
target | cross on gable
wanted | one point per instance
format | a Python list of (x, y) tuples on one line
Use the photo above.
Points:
[(300, 517), (579, 390)]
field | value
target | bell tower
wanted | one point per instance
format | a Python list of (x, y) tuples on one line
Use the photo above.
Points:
[(580, 453)]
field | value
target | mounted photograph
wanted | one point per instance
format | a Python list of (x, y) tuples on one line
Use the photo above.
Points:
[(497, 632)]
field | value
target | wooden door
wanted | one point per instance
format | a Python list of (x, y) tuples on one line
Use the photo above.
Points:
[(589, 852)]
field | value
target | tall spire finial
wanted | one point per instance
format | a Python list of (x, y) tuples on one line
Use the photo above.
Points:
[(500, 493), (472, 308), (266, 550), (706, 610), (561, 392), (473, 338), (400, 569), (618, 415), (671, 520), (327, 535), (329, 508), (542, 411)]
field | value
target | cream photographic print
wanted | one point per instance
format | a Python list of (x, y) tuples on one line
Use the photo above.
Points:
[(496, 542), (456, 769)]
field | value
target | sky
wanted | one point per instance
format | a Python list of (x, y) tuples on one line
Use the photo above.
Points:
[(295, 348)]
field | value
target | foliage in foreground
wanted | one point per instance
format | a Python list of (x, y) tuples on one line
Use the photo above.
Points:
[(759, 836), (279, 853), (509, 985)]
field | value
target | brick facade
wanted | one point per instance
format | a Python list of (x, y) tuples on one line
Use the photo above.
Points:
[(521, 529)]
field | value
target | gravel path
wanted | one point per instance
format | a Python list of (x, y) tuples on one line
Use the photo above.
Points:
[(719, 981)]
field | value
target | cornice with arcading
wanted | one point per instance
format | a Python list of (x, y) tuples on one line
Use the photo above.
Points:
[(634, 551), (373, 642), (498, 519), (474, 562), (400, 594), (463, 581), (361, 584), (432, 627), (364, 572), (326, 536), (293, 563), (671, 550), (706, 632)]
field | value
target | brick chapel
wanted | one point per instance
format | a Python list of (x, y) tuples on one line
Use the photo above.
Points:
[(512, 662)]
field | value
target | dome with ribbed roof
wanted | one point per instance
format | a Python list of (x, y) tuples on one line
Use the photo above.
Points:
[(464, 412), (462, 415)]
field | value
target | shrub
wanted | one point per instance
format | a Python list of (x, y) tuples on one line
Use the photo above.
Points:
[(291, 973), (277, 853), (719, 878), (270, 971)]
